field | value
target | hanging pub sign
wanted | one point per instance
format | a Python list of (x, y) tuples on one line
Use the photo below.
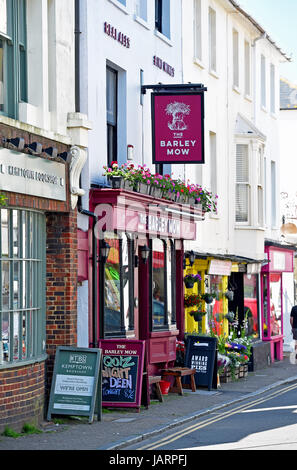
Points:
[(178, 127)]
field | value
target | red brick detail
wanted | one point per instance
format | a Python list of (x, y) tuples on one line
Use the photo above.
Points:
[(61, 284), (21, 396)]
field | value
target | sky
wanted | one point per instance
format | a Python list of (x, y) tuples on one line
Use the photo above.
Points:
[(279, 19)]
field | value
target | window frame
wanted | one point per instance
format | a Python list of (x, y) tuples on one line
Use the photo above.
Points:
[(212, 39), (123, 331), (30, 307), (247, 184), (14, 68), (168, 322), (112, 126)]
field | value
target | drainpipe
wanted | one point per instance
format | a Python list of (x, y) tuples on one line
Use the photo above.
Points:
[(263, 36), (77, 33), (94, 277)]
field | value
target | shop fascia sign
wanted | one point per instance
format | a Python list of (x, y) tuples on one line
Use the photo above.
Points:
[(177, 123), (220, 267), (162, 225), (32, 175)]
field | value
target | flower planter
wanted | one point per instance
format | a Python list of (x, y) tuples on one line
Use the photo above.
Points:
[(129, 185), (208, 299), (225, 376), (143, 188), (191, 201), (116, 181), (189, 283), (229, 294), (243, 370), (156, 192)]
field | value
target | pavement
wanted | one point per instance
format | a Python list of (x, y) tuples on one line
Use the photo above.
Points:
[(121, 428)]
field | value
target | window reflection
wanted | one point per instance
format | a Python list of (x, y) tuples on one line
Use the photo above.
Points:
[(275, 304), (251, 313), (158, 283)]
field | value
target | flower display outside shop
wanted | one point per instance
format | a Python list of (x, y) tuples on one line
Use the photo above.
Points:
[(172, 189), (192, 300)]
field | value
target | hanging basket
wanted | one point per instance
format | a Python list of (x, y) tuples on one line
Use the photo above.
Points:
[(189, 283), (208, 298), (229, 294), (197, 315)]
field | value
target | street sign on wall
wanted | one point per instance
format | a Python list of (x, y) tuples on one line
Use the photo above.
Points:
[(76, 384), (178, 127)]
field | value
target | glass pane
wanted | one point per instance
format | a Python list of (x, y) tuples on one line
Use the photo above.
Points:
[(5, 285), (265, 306), (126, 283), (275, 304), (3, 16), (5, 336), (169, 261), (16, 318), (16, 285), (112, 294), (215, 309), (251, 313), (1, 74), (4, 232), (111, 96), (15, 227), (158, 280)]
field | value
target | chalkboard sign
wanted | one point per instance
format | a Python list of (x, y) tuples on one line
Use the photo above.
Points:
[(76, 384), (122, 370), (201, 354)]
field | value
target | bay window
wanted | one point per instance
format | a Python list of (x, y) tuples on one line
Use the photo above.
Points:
[(22, 281)]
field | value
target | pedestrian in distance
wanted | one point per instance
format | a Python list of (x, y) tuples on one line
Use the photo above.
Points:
[(293, 321)]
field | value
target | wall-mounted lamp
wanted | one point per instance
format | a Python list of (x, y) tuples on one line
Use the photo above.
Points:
[(18, 143), (51, 152), (104, 251), (35, 148), (144, 252), (191, 256)]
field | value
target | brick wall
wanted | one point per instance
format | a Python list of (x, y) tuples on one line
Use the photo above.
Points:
[(21, 395), (24, 390), (61, 284)]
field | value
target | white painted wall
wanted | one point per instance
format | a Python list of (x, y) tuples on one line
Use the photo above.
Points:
[(220, 234)]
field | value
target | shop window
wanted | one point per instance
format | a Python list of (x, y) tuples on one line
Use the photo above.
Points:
[(251, 308), (275, 304), (119, 286), (162, 265), (215, 314), (13, 56), (22, 280), (266, 330)]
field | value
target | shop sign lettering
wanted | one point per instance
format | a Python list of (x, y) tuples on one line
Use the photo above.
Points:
[(116, 35), (162, 65)]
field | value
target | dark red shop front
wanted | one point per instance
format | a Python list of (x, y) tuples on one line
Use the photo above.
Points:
[(137, 290)]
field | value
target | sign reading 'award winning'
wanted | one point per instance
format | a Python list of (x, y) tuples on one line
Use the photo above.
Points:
[(178, 127)]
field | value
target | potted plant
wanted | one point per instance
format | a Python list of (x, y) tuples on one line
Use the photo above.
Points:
[(229, 294), (192, 300), (191, 279), (198, 315), (208, 297)]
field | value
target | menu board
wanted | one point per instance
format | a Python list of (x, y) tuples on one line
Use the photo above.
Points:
[(122, 371), (201, 354), (76, 384)]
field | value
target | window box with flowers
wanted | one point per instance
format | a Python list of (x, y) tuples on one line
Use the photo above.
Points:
[(142, 179)]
